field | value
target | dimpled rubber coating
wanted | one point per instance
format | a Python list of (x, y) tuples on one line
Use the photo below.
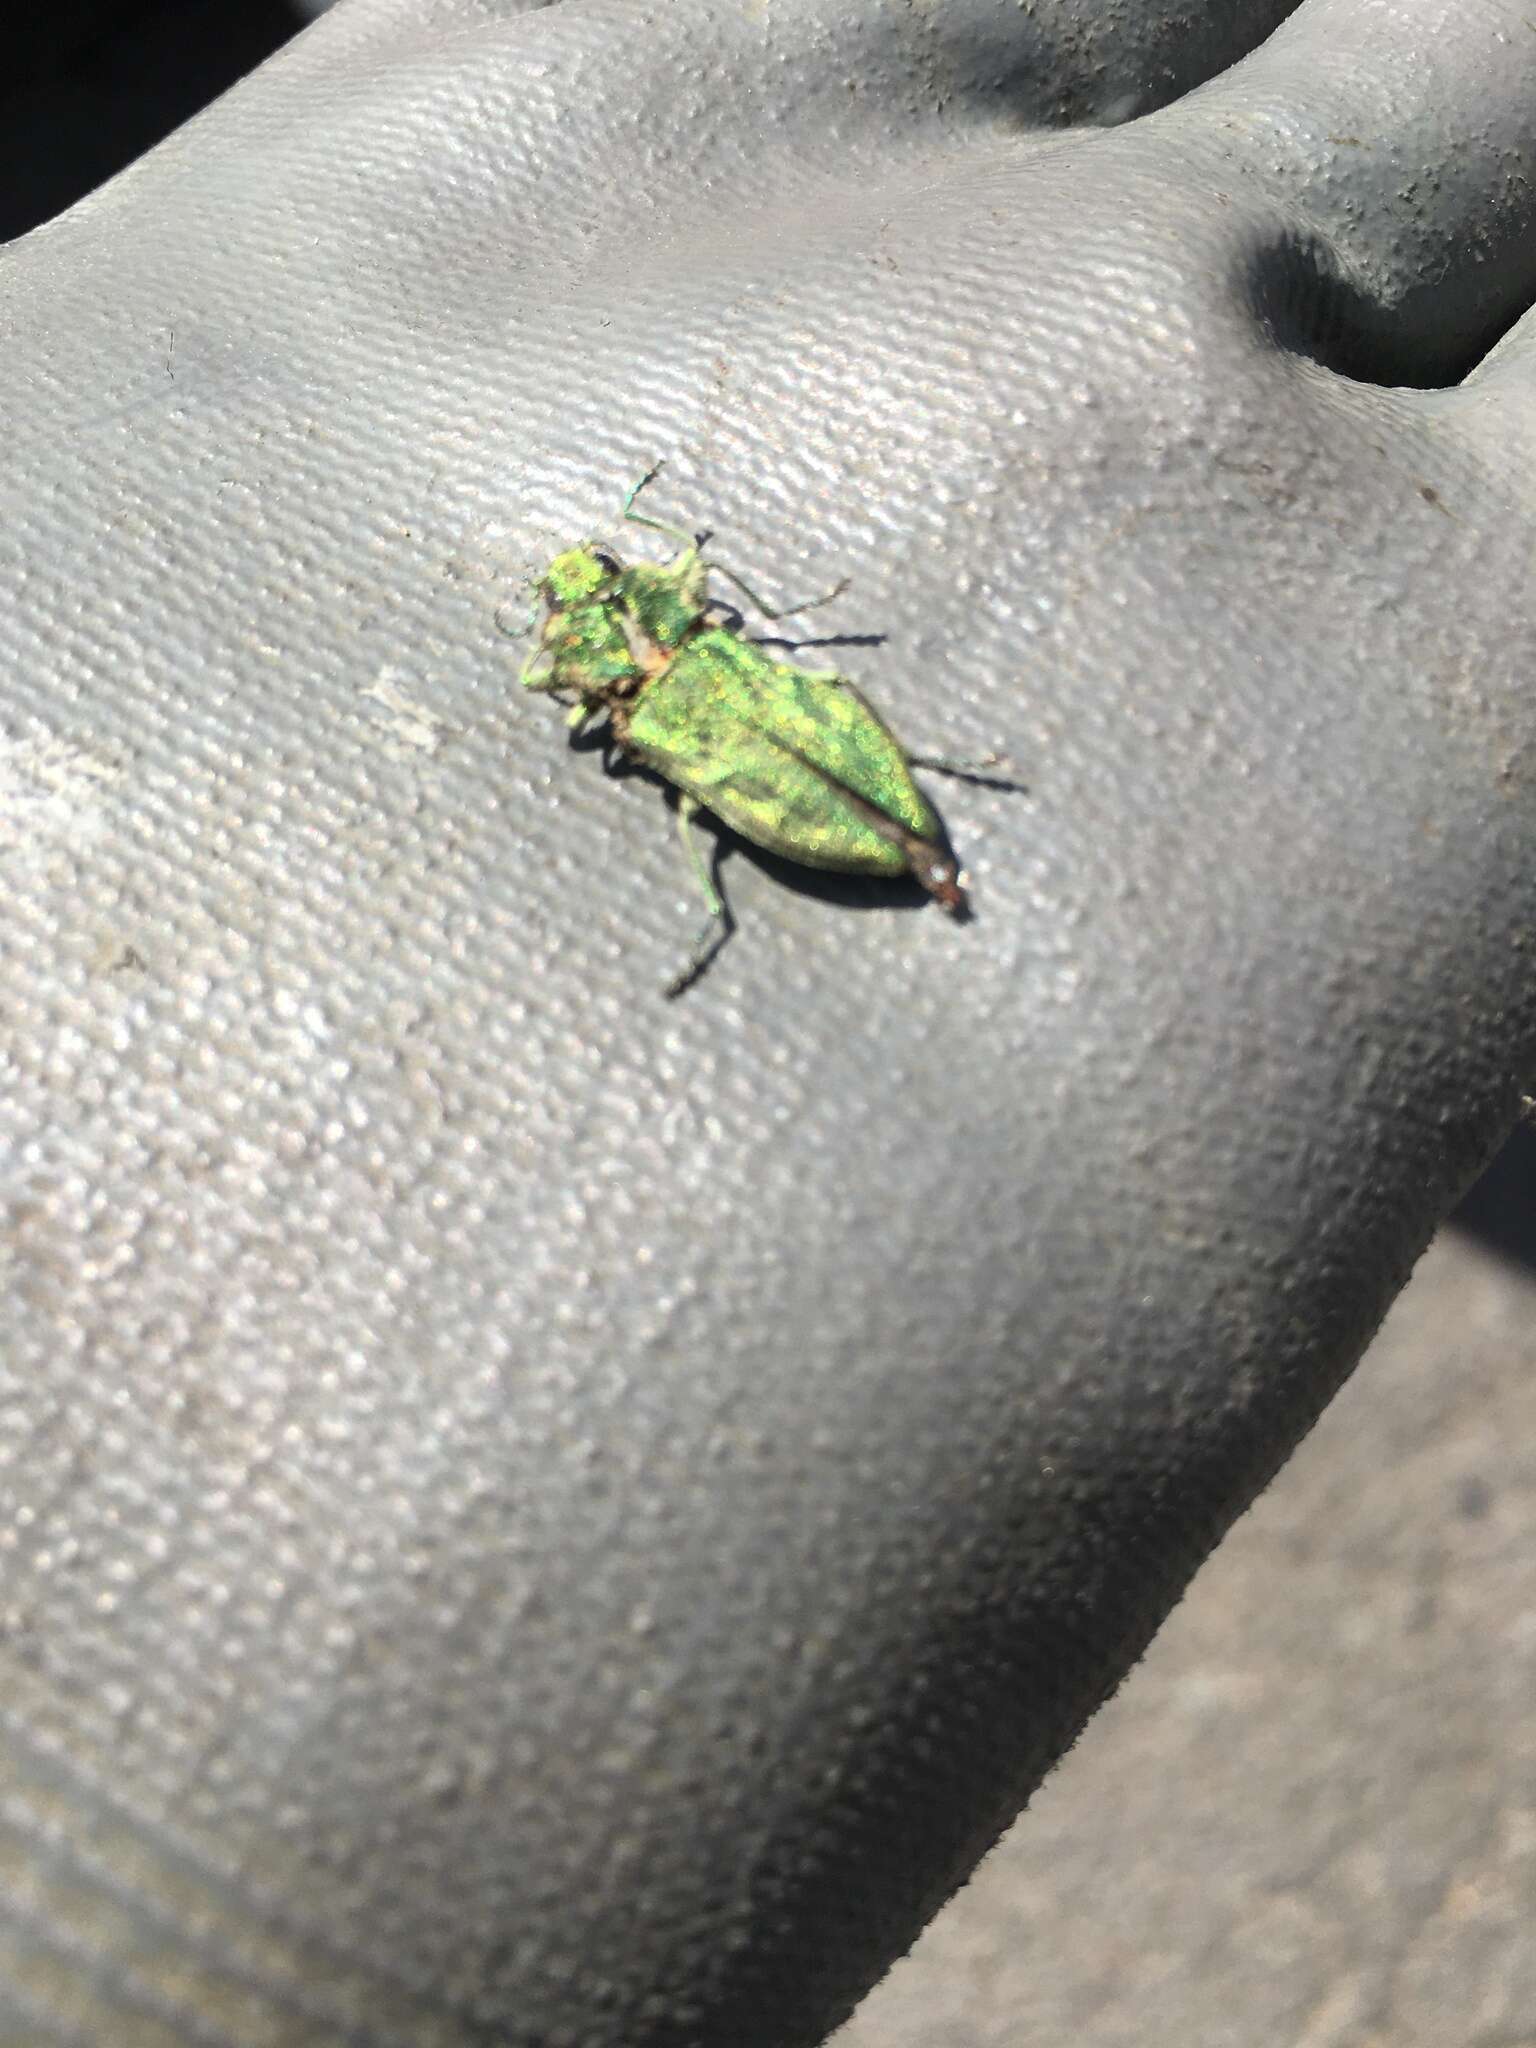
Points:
[(531, 1514)]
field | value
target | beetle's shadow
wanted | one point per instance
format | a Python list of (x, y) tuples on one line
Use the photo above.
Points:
[(794, 646), (850, 892)]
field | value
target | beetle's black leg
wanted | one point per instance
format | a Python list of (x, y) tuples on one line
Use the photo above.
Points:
[(712, 935), (972, 771)]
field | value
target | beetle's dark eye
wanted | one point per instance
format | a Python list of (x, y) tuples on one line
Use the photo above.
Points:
[(609, 564)]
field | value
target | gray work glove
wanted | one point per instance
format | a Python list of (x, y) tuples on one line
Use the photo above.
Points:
[(532, 1513)]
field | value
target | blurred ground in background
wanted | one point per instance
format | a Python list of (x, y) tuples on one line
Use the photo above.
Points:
[(1309, 1819)]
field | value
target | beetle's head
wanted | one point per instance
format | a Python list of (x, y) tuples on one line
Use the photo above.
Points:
[(579, 574)]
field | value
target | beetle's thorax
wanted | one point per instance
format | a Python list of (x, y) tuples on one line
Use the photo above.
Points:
[(665, 600)]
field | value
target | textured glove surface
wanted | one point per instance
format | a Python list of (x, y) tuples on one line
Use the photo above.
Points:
[(529, 1512)]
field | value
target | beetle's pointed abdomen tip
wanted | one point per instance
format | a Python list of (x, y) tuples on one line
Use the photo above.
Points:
[(938, 873)]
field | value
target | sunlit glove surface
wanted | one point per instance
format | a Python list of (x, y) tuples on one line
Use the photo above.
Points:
[(532, 1513)]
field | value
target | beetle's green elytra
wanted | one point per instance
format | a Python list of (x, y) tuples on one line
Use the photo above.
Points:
[(795, 760), (770, 748)]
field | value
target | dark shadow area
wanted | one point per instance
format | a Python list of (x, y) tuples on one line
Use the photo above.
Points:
[(1500, 1209), (36, 41), (82, 99), (1303, 296), (849, 892)]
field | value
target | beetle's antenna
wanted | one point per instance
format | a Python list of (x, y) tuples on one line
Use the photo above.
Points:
[(678, 533), (786, 611), (516, 632)]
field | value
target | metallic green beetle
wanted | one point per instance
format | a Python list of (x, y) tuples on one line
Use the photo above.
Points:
[(796, 761)]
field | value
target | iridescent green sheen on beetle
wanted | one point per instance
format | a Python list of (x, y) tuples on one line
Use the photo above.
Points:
[(796, 761)]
